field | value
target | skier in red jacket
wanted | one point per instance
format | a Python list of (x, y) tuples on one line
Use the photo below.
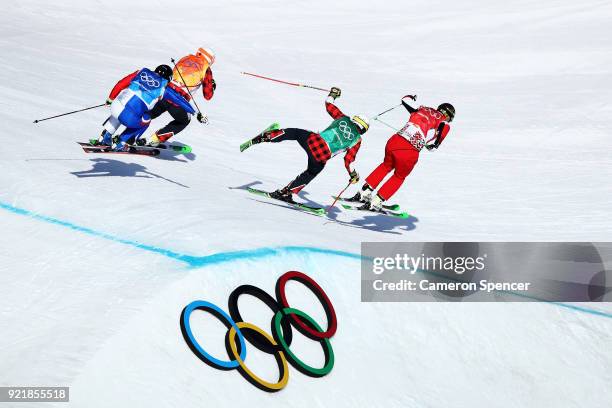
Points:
[(402, 152)]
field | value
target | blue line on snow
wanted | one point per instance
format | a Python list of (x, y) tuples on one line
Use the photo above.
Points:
[(192, 261), (223, 257)]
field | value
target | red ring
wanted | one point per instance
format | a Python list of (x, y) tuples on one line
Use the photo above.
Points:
[(332, 322)]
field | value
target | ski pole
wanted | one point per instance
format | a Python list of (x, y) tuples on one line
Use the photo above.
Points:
[(388, 110), (285, 82), (413, 97), (386, 124), (338, 196), (70, 113), (187, 88)]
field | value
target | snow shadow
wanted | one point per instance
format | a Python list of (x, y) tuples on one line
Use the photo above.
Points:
[(105, 167), (376, 222)]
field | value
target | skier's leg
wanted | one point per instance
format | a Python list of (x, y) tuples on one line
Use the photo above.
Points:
[(272, 132), (136, 123), (277, 136), (380, 172), (110, 125), (364, 195), (180, 122), (313, 169), (405, 160)]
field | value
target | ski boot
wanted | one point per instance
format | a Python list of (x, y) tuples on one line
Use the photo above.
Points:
[(119, 145), (283, 194), (156, 138), (105, 139), (141, 142), (362, 196), (375, 204), (261, 138)]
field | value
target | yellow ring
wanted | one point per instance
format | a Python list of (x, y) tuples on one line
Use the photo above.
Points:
[(284, 370)]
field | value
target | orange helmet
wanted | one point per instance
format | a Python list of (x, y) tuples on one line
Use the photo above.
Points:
[(207, 53)]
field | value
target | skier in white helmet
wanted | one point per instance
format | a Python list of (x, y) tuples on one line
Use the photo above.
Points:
[(190, 73), (342, 135)]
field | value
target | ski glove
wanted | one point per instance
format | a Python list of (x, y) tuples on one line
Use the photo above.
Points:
[(214, 85), (354, 177), (413, 97), (335, 92), (109, 101), (431, 146), (202, 118)]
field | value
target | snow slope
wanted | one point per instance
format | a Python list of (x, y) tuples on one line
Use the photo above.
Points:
[(527, 159)]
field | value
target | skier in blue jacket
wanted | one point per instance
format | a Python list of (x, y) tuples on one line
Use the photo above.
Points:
[(131, 100)]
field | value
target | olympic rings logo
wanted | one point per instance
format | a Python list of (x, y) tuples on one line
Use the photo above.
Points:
[(346, 131), (277, 344), (150, 81)]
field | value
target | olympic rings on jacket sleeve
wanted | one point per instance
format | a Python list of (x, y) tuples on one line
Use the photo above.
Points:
[(232, 304), (307, 281), (281, 361), (293, 359), (192, 342)]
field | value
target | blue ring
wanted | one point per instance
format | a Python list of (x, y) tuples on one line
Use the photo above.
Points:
[(217, 312)]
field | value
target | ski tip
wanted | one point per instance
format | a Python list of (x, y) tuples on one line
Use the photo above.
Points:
[(182, 149)]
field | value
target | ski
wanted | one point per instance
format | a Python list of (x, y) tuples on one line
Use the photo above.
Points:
[(173, 147), (304, 207), (163, 146), (391, 207), (88, 148), (249, 143), (381, 212)]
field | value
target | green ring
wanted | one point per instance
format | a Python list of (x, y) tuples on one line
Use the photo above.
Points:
[(296, 362)]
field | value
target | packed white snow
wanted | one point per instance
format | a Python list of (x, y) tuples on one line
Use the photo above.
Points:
[(527, 159)]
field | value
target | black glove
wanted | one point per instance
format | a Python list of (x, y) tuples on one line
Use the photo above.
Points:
[(413, 97), (214, 85), (431, 146), (109, 101), (354, 177), (335, 92), (202, 118)]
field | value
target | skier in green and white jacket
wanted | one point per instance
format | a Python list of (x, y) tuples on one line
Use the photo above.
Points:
[(342, 135)]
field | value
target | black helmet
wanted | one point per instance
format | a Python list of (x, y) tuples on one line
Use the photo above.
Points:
[(164, 71), (448, 110)]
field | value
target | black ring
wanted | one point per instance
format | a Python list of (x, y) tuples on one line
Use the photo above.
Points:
[(232, 304)]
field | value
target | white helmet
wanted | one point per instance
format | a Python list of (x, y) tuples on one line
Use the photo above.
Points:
[(362, 122), (208, 54)]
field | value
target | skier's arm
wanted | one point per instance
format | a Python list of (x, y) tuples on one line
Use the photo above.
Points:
[(332, 109), (208, 85), (408, 107), (121, 85), (441, 132), (350, 155), (172, 96)]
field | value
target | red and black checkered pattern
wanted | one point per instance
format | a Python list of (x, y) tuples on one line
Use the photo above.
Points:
[(318, 147), (333, 110), (350, 156)]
